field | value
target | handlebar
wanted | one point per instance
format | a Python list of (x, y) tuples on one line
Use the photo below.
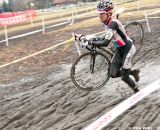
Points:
[(77, 36)]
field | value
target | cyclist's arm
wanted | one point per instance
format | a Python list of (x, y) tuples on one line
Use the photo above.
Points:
[(107, 37), (105, 40)]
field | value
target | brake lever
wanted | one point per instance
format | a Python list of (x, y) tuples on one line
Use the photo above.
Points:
[(77, 36)]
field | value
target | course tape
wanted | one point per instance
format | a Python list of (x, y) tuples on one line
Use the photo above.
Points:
[(119, 109), (42, 51), (34, 54)]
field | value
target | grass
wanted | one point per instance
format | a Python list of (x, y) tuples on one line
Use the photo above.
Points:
[(53, 18), (139, 3)]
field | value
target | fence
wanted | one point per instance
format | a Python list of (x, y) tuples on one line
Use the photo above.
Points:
[(73, 13), (66, 16)]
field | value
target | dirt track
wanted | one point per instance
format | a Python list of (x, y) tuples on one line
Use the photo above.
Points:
[(39, 95)]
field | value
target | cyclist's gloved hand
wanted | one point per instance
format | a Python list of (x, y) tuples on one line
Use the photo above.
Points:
[(90, 37), (86, 40), (84, 44)]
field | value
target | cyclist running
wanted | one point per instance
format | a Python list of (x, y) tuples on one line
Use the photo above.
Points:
[(125, 49)]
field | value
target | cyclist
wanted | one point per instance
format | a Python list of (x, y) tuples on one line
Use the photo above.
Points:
[(125, 49)]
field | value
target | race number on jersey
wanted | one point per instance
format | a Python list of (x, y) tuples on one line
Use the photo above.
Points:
[(109, 34)]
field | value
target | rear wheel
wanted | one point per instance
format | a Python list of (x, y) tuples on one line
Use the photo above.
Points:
[(83, 76), (136, 33)]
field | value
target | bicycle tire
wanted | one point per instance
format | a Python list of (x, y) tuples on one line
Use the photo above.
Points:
[(76, 74), (136, 32)]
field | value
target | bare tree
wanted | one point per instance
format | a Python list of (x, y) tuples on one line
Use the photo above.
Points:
[(41, 4)]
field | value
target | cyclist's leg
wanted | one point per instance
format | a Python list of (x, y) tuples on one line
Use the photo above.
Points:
[(135, 74), (114, 70), (128, 80), (126, 66)]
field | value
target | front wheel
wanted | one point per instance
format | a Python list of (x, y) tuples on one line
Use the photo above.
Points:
[(84, 77)]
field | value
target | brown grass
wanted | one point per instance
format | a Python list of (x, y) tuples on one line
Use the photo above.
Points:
[(53, 18)]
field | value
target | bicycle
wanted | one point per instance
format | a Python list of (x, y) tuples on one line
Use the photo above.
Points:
[(90, 70)]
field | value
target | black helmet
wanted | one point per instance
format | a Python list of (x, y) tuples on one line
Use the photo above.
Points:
[(105, 5)]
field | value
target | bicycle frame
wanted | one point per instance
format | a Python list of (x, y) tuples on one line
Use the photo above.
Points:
[(93, 55)]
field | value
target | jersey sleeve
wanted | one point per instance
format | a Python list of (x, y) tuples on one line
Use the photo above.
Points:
[(108, 35), (105, 39), (113, 26)]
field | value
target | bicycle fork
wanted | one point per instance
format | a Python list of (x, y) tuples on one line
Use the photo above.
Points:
[(92, 62)]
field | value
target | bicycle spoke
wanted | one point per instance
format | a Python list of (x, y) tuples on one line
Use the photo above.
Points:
[(135, 33), (85, 77)]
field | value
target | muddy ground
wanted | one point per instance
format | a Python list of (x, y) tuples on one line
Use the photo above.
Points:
[(37, 94)]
